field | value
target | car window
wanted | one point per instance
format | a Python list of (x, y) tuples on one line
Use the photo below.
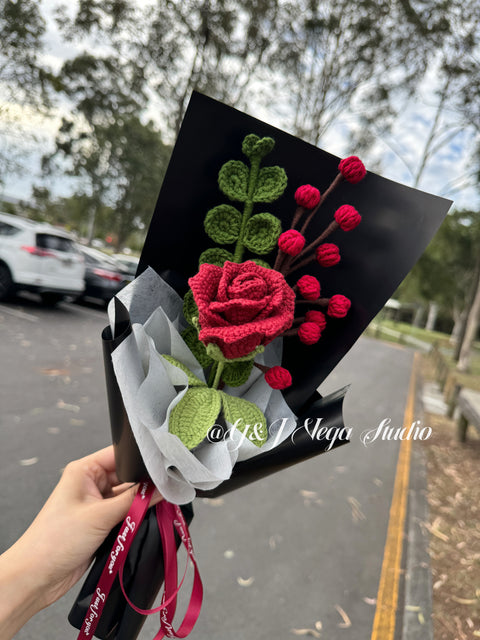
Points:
[(56, 243), (8, 229)]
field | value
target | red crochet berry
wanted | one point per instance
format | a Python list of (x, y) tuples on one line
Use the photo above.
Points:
[(317, 317), (309, 332), (347, 217), (328, 254), (291, 242), (307, 196), (338, 306), (352, 169), (278, 378), (309, 287)]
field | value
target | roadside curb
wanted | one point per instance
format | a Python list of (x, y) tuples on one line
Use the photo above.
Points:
[(418, 604)]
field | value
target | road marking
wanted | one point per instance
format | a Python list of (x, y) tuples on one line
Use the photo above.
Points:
[(18, 314), (387, 596)]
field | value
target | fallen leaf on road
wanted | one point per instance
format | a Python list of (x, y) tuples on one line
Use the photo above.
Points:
[(53, 430), (228, 554), (411, 607), (306, 632), (68, 407), (357, 513), (346, 620), (75, 422), (28, 462), (214, 502), (308, 494), (372, 601), (245, 582), (464, 600), (54, 372), (435, 532)]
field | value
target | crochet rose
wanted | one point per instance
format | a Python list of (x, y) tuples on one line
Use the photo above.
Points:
[(241, 306)]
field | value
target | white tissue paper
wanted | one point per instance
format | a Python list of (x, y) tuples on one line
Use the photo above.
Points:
[(151, 387)]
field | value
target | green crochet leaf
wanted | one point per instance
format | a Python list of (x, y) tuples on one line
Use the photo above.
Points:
[(262, 263), (262, 232), (192, 418), (214, 351), (251, 420), (190, 309), (271, 184), (193, 381), (255, 147), (190, 337), (223, 224), (215, 256), (237, 373), (233, 180)]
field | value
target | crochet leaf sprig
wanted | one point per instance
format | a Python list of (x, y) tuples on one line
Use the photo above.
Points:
[(225, 224)]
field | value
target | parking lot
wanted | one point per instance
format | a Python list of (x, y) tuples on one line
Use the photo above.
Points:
[(301, 547)]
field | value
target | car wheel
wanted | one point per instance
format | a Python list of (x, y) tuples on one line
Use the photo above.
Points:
[(6, 283), (51, 299)]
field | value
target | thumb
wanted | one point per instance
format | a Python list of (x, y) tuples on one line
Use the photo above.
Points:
[(115, 509)]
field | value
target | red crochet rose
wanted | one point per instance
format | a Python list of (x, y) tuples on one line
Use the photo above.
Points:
[(241, 306)]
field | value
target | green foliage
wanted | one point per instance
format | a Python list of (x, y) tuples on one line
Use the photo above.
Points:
[(190, 336), (445, 272), (215, 256), (223, 224), (261, 233), (271, 184), (193, 381), (233, 180), (190, 309), (192, 418), (255, 147), (250, 420), (235, 374)]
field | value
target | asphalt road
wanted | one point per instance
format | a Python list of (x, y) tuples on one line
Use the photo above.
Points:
[(300, 550)]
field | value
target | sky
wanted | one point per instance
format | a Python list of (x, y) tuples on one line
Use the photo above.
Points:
[(396, 156)]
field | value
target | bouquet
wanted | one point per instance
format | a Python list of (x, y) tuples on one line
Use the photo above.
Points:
[(212, 366)]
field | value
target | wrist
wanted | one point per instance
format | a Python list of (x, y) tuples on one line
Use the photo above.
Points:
[(21, 593)]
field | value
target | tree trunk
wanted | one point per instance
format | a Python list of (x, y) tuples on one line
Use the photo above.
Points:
[(458, 328), (418, 317), (432, 316), (473, 321)]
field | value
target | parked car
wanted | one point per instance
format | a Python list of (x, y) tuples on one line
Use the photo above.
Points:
[(130, 263), (104, 276), (38, 257)]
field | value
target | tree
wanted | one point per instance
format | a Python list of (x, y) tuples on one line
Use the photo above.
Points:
[(119, 158), (24, 79), (447, 271)]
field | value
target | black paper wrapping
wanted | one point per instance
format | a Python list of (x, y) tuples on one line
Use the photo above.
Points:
[(398, 222)]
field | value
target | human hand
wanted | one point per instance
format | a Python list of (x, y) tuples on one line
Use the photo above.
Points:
[(57, 548)]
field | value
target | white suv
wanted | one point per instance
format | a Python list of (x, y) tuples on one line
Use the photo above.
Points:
[(38, 257)]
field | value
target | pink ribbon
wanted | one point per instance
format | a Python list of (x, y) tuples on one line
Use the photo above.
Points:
[(168, 517)]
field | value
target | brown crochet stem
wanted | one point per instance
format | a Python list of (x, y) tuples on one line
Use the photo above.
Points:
[(325, 195), (321, 302), (299, 211), (330, 229), (290, 332), (299, 319), (262, 367), (284, 267), (297, 266), (281, 256)]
